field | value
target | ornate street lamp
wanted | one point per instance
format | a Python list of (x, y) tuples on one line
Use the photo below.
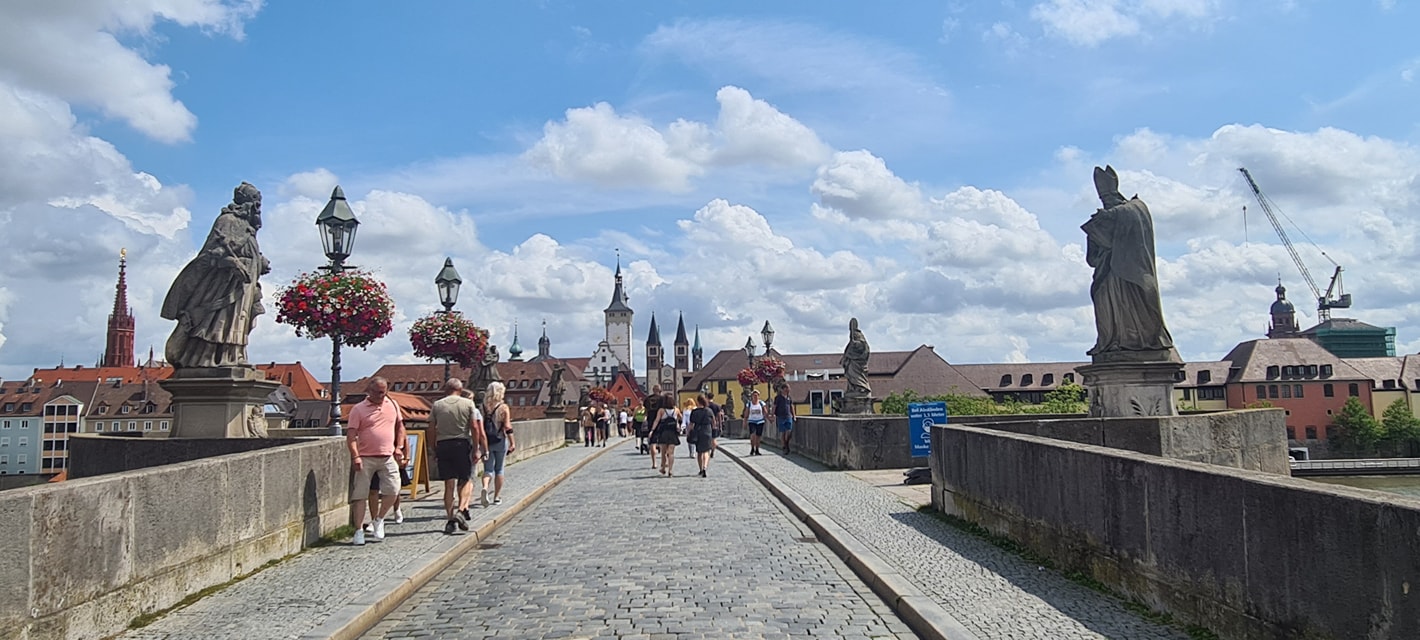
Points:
[(448, 282), (749, 350), (768, 334), (337, 225)]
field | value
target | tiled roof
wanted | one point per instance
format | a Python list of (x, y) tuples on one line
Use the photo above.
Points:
[(105, 374), (297, 377), (1251, 359), (1342, 324), (921, 370), (1379, 370), (992, 377), (109, 399), (1217, 373)]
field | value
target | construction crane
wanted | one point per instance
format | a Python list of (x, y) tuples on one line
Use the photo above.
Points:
[(1334, 297)]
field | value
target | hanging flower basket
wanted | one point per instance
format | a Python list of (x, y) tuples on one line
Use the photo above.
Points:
[(748, 377), (448, 336), (350, 304), (601, 394), (769, 369)]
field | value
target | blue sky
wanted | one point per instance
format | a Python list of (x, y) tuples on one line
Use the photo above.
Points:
[(921, 166)]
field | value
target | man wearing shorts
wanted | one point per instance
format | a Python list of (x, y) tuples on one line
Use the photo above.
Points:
[(784, 415), (457, 429), (375, 435)]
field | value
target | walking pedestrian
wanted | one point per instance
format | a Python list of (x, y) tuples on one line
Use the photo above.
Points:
[(717, 427), (623, 424), (702, 424), (374, 435), (638, 427), (603, 423), (652, 406), (755, 416), (686, 407), (498, 429), (456, 426), (784, 415), (666, 436), (588, 421)]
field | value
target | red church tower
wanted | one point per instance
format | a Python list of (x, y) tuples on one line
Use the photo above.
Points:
[(118, 352)]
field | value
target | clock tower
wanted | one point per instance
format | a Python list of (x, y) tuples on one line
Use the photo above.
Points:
[(618, 325)]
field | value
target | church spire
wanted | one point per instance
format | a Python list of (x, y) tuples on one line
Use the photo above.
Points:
[(118, 350), (697, 355), (515, 350)]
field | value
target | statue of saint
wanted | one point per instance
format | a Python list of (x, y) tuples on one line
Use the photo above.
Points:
[(554, 386), (217, 296), (855, 363), (1129, 317)]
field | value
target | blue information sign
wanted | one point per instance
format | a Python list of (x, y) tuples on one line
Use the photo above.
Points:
[(920, 418)]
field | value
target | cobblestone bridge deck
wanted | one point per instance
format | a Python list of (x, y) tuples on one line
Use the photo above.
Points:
[(616, 550)]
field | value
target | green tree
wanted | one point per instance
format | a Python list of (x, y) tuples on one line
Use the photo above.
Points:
[(957, 404), (1399, 424), (1359, 430), (1066, 398)]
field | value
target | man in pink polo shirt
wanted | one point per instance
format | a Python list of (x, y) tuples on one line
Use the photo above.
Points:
[(375, 433)]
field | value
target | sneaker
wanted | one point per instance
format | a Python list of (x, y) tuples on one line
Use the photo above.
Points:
[(359, 539), (449, 528), (497, 501), (379, 533), (462, 523), (367, 527), (399, 516), (465, 514), (483, 497), (702, 473)]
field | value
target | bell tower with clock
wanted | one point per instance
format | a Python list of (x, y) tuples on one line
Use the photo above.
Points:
[(618, 325)]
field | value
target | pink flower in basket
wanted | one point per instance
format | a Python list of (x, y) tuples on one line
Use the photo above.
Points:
[(450, 336), (748, 377), (769, 369), (350, 304)]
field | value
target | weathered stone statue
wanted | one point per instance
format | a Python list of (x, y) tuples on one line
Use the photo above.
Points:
[(485, 372), (217, 296), (1129, 317), (855, 363), (554, 386)]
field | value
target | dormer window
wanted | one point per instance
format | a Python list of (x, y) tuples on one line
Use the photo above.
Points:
[(1027, 379), (149, 408), (124, 409), (1006, 380), (1069, 377), (1047, 380), (103, 409), (1273, 372), (1326, 370), (9, 406), (1205, 376)]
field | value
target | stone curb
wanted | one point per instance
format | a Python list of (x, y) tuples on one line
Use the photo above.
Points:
[(353, 619), (923, 615)]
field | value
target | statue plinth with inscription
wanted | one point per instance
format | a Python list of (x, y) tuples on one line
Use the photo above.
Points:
[(1134, 363), (215, 300)]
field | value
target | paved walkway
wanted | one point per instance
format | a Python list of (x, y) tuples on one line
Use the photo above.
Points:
[(619, 551), (323, 590), (992, 593)]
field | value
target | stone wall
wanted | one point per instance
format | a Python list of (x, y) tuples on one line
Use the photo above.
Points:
[(1247, 554), (83, 557), (93, 455), (1253, 439)]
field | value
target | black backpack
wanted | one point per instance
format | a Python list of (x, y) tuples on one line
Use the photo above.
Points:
[(493, 428)]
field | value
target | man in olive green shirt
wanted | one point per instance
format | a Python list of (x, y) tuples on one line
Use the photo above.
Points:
[(456, 426)]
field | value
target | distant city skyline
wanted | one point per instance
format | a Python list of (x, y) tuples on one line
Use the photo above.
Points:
[(924, 168)]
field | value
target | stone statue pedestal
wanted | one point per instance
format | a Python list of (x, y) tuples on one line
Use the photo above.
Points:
[(219, 402), (855, 406), (1132, 386)]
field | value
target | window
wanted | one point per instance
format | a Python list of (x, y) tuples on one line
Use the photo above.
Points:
[(98, 427), (1271, 391), (1353, 389), (1187, 394), (7, 424), (1204, 377), (1291, 433), (27, 407), (1287, 371), (1027, 380), (4, 459), (1179, 376), (1272, 372), (1326, 370), (1286, 391), (23, 441), (124, 409), (22, 458), (1006, 380), (1069, 377), (1330, 431), (147, 425), (398, 386), (1311, 433), (1211, 393), (4, 442), (9, 406), (132, 426), (1261, 391), (1296, 391), (149, 408), (1047, 380), (1388, 384), (103, 409), (163, 426), (723, 386), (1328, 391)]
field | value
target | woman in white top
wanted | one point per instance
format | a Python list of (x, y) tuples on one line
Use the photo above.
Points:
[(756, 413)]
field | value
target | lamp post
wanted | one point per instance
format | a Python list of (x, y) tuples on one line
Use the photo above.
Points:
[(337, 226), (767, 333), (448, 282)]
